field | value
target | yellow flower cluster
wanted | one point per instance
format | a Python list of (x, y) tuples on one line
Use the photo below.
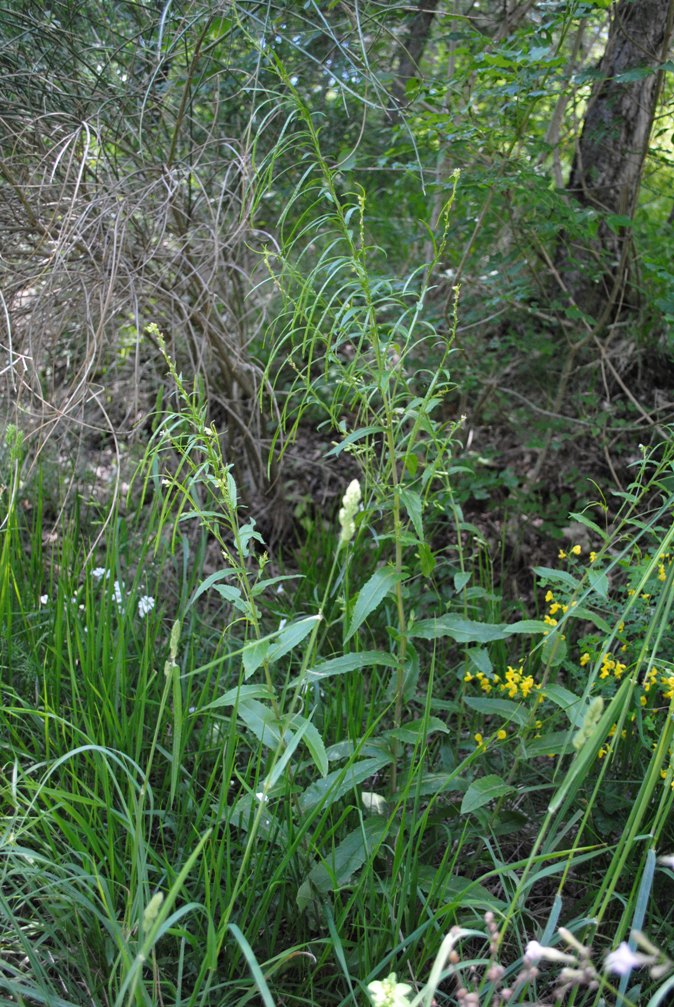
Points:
[(500, 735), (515, 683), (554, 608), (609, 666), (575, 550), (652, 678), (607, 746)]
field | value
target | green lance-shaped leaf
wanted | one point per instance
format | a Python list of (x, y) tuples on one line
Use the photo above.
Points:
[(339, 866), (482, 791), (371, 595)]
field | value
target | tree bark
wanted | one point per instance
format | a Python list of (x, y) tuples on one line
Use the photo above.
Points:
[(412, 49), (606, 171)]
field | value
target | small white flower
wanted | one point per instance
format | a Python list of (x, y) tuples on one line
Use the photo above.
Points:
[(145, 605), (262, 797), (621, 961), (99, 572), (535, 952), (389, 993), (44, 598), (282, 624), (117, 589)]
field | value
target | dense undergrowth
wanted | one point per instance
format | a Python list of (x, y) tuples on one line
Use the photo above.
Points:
[(232, 776), (360, 688)]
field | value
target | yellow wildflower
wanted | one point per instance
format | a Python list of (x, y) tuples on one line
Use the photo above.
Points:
[(576, 550)]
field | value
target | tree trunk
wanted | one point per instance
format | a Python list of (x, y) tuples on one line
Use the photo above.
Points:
[(412, 49), (606, 170)]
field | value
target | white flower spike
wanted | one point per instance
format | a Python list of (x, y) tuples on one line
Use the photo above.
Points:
[(350, 504)]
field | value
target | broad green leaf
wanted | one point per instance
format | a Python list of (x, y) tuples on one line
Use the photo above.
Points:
[(592, 525), (247, 534), (618, 222), (337, 869), (554, 743), (292, 740), (253, 656), (269, 826), (599, 582), (461, 579), (290, 636), (231, 594), (426, 559), (635, 73), (262, 585), (412, 503), (553, 650), (548, 574), (411, 733), (231, 490), (572, 705), (261, 721), (235, 695), (314, 742), (482, 791), (341, 781), (452, 888), (527, 626), (371, 595), (481, 659), (459, 629), (439, 783), (504, 708), (587, 614), (349, 662), (209, 582)]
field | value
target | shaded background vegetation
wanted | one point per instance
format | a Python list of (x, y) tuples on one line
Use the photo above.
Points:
[(148, 153), (424, 246)]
